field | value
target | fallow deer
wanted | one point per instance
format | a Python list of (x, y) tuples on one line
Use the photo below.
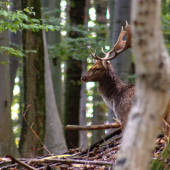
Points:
[(117, 95)]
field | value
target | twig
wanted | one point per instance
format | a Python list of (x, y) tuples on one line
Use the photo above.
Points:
[(20, 163), (8, 166), (93, 127), (69, 161), (33, 130), (102, 140)]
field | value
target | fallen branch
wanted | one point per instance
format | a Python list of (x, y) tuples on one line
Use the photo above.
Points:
[(20, 163), (93, 127), (116, 132), (69, 161)]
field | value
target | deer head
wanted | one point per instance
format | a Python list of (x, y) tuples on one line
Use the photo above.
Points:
[(102, 65)]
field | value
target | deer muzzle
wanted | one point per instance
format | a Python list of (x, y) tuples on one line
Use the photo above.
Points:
[(84, 79)]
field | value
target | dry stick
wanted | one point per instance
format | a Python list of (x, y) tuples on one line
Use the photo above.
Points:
[(118, 131), (93, 127), (8, 166), (50, 165), (20, 163), (33, 130), (69, 161)]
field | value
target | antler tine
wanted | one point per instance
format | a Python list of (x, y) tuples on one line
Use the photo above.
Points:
[(95, 56), (121, 45), (103, 51)]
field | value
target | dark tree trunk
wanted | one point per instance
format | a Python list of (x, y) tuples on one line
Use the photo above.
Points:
[(34, 89), (74, 69), (72, 100)]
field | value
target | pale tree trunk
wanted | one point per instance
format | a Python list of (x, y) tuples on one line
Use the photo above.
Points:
[(54, 37), (7, 143), (82, 117), (120, 64), (54, 138), (153, 74), (99, 116)]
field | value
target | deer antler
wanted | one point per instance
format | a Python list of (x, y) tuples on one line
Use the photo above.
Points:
[(119, 47)]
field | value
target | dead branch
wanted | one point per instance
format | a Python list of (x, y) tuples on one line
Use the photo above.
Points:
[(20, 163), (116, 132), (93, 127), (69, 161)]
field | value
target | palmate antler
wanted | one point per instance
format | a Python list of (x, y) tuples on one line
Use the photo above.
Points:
[(118, 48)]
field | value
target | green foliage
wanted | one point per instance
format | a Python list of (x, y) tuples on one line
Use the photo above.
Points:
[(12, 51), (20, 20), (166, 22), (80, 47), (77, 48), (163, 161)]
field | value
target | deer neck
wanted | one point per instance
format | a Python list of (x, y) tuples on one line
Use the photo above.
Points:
[(110, 87)]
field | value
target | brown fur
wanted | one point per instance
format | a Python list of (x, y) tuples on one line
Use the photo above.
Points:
[(117, 95)]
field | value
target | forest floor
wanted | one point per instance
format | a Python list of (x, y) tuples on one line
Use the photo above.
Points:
[(101, 155)]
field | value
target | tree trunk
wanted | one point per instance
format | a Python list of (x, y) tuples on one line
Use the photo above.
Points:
[(33, 129), (120, 64), (54, 38), (153, 77), (99, 116), (7, 143), (72, 100), (74, 68), (82, 118), (16, 39), (54, 138), (83, 96)]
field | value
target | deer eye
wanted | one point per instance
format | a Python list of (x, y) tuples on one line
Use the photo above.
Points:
[(97, 69)]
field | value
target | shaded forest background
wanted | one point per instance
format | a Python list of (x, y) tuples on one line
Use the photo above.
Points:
[(44, 52)]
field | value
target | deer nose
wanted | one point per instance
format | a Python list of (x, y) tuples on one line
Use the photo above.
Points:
[(84, 78)]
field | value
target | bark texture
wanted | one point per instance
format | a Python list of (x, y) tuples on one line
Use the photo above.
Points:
[(74, 68), (118, 18), (153, 73), (33, 129), (54, 138), (72, 101), (7, 143)]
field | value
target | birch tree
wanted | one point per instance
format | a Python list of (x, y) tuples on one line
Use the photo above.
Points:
[(153, 77)]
